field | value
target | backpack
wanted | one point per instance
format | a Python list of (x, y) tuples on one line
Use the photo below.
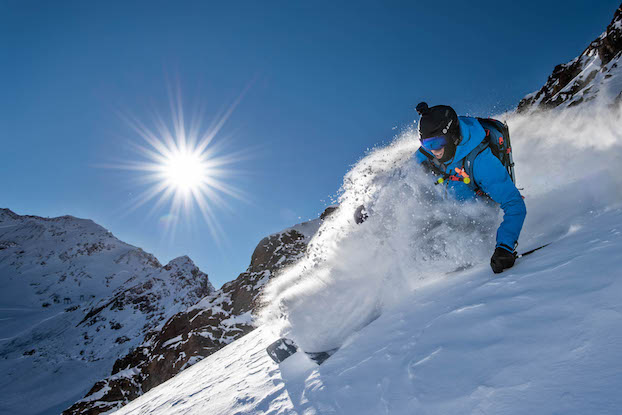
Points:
[(497, 139)]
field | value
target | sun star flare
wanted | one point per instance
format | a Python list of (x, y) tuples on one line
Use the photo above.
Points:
[(184, 169)]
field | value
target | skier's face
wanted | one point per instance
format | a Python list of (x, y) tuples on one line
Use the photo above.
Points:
[(438, 153)]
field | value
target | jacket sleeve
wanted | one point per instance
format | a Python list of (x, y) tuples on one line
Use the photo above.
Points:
[(493, 179)]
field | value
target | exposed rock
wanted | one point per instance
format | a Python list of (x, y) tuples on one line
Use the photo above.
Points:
[(205, 328), (587, 76), (329, 211), (97, 298)]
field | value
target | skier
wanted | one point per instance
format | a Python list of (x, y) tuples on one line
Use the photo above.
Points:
[(451, 140), (458, 151), (451, 146)]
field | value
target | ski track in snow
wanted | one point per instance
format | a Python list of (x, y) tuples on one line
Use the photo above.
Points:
[(35, 325)]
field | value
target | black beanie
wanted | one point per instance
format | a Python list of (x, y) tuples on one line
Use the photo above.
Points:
[(438, 120)]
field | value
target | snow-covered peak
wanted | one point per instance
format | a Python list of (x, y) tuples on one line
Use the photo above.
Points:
[(73, 299), (596, 74), (6, 214), (182, 262), (65, 257), (68, 223)]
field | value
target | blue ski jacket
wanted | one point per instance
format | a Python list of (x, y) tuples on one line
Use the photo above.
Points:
[(491, 176)]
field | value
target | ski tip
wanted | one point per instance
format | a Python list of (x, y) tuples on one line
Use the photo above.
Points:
[(284, 348), (281, 349)]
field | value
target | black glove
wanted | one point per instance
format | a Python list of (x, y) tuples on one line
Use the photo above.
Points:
[(502, 259), (360, 215)]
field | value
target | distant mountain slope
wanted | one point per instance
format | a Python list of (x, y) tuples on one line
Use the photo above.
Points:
[(203, 329), (73, 299), (594, 73)]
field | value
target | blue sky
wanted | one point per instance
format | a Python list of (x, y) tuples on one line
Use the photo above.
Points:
[(319, 82)]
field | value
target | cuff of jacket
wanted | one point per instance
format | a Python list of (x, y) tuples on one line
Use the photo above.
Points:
[(507, 248)]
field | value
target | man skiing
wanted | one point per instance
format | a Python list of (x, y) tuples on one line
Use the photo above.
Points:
[(451, 146), (459, 152)]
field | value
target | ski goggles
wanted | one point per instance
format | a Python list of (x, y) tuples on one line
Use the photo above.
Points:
[(434, 143)]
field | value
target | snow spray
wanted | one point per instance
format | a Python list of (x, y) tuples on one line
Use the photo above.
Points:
[(414, 237)]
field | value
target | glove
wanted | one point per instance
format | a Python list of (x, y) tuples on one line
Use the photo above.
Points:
[(360, 215), (502, 259)]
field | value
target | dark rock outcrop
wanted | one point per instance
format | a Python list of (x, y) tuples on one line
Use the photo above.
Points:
[(586, 76), (203, 329)]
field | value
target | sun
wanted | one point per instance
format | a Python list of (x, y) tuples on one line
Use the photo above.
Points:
[(184, 168), (185, 171)]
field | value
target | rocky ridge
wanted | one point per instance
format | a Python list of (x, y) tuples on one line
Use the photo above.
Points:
[(594, 73)]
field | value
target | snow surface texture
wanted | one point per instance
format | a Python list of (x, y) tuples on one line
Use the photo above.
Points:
[(544, 337)]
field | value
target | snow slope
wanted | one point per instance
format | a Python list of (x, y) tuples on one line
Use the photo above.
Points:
[(544, 337)]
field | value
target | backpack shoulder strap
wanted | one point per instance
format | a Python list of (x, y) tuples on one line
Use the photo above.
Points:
[(469, 160), (433, 164)]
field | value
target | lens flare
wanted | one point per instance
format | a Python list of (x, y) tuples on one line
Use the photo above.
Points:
[(184, 167), (185, 171)]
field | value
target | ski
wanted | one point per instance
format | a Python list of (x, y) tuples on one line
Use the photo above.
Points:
[(281, 349), (532, 251), (284, 348), (469, 266)]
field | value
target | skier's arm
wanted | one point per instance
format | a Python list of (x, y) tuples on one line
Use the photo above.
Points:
[(494, 180), (360, 214)]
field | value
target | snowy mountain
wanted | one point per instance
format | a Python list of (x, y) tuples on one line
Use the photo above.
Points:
[(191, 335), (594, 73), (421, 322), (73, 299), (414, 335)]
